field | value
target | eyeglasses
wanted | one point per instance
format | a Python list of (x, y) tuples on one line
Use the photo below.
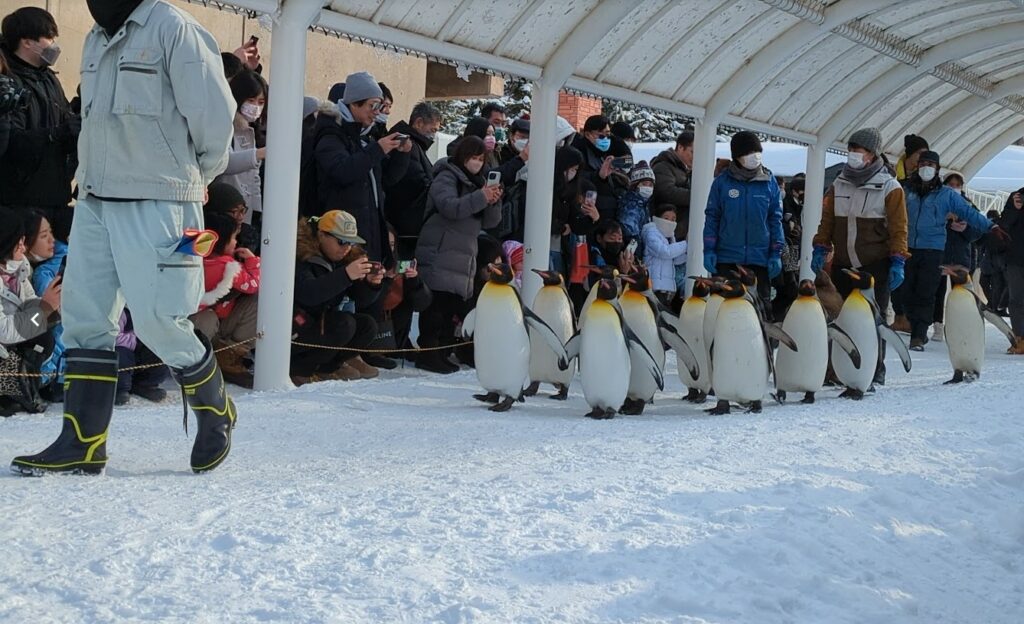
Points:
[(240, 211), (604, 135), (377, 105)]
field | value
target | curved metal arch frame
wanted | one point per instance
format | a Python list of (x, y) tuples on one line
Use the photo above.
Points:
[(984, 154), (872, 94), (949, 141), (956, 147), (972, 105), (638, 34)]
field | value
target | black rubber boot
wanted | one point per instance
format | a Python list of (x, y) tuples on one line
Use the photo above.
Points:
[(90, 383), (203, 388)]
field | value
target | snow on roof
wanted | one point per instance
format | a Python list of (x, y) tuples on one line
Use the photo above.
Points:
[(806, 70)]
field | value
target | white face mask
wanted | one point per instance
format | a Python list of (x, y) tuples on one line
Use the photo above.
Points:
[(855, 160), (381, 118), (251, 111), (666, 227), (751, 161), (927, 173), (645, 191), (520, 144), (474, 166)]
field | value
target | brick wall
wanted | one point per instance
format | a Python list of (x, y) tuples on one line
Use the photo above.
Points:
[(576, 108)]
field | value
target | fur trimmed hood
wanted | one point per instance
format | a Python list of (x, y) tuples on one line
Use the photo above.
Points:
[(231, 271)]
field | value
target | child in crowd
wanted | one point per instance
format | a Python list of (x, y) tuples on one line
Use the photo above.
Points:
[(634, 205), (227, 311), (143, 382), (513, 253), (662, 254), (226, 199), (47, 248)]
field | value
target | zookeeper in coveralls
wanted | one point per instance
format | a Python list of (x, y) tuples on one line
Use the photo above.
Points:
[(156, 124)]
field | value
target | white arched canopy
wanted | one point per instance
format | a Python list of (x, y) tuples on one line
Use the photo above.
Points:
[(810, 71)]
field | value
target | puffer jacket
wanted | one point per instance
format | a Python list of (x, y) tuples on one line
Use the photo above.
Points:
[(743, 219), (634, 213), (1012, 220), (672, 186), (224, 275), (447, 247), (926, 217), (406, 200), (864, 224), (42, 275), (243, 170), (352, 172), (18, 309), (321, 285), (662, 255)]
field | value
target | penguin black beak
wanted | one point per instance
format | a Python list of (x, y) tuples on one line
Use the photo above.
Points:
[(543, 274), (852, 273), (627, 279), (493, 269)]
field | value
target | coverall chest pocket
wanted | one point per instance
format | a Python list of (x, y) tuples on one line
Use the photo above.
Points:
[(139, 86), (88, 83)]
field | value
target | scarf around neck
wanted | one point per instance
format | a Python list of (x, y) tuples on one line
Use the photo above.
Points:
[(859, 177), (747, 175)]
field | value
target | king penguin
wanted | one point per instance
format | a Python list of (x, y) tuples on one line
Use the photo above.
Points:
[(607, 272), (804, 370), (553, 306), (715, 301), (502, 328), (859, 319), (604, 346), (739, 354), (690, 326), (965, 326)]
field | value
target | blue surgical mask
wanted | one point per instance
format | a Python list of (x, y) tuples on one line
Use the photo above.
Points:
[(603, 144)]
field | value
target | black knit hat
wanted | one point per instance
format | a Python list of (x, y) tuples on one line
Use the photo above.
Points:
[(12, 230), (930, 157), (223, 198), (744, 142), (913, 143)]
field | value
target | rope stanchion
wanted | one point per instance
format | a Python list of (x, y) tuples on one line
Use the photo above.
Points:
[(257, 337)]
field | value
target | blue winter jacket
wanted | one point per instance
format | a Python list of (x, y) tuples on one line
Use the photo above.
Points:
[(634, 213), (743, 220), (42, 275), (926, 217)]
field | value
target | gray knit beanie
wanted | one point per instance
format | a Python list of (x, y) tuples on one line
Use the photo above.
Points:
[(868, 138), (361, 86)]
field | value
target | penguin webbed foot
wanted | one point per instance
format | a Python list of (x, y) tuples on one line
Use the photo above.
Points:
[(808, 398), (490, 397), (958, 377), (695, 396), (531, 390), (853, 395), (563, 393), (780, 397), (600, 413), (754, 408), (720, 409), (504, 406), (632, 407)]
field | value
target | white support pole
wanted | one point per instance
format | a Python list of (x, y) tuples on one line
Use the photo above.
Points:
[(543, 113), (705, 134), (814, 190), (284, 143)]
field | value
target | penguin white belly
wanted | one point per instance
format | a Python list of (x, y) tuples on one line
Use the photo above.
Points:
[(604, 359), (636, 311), (710, 321), (591, 298), (691, 327), (964, 331), (553, 307), (857, 320), (739, 357), (501, 347), (803, 370)]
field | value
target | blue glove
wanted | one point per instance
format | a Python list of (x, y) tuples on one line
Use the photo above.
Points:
[(711, 262), (818, 258), (896, 272), (774, 267)]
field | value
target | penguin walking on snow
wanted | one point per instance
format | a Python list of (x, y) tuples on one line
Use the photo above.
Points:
[(965, 326), (804, 370), (502, 328), (715, 301), (553, 306), (604, 347), (859, 319), (690, 326)]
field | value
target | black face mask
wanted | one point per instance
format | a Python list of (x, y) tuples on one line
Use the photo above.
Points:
[(112, 14), (613, 249)]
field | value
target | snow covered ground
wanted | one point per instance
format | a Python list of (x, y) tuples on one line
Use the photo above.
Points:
[(404, 500)]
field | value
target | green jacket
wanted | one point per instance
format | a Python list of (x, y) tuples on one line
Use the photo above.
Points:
[(156, 110)]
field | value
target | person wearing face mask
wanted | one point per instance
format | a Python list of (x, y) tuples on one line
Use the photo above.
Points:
[(672, 171), (1012, 221), (459, 206), (243, 170), (481, 128), (41, 157), (406, 200), (380, 121), (663, 254), (24, 343), (743, 219), (913, 147), (352, 169), (635, 204), (573, 215), (518, 138), (600, 148), (928, 204)]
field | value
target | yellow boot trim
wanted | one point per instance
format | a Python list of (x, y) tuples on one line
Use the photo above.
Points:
[(91, 378), (216, 462), (94, 443)]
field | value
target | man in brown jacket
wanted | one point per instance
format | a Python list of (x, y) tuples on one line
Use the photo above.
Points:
[(672, 170)]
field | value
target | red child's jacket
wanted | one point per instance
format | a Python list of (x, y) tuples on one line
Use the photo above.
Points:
[(226, 276)]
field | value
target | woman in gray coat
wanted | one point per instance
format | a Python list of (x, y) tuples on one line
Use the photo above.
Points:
[(459, 206), (243, 170)]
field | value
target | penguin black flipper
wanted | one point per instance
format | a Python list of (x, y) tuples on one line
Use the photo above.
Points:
[(469, 324), (888, 335), (536, 325), (684, 354), (998, 322), (661, 311), (775, 331), (841, 338), (635, 346), (572, 351)]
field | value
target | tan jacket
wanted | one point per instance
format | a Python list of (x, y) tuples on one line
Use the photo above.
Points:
[(864, 224)]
